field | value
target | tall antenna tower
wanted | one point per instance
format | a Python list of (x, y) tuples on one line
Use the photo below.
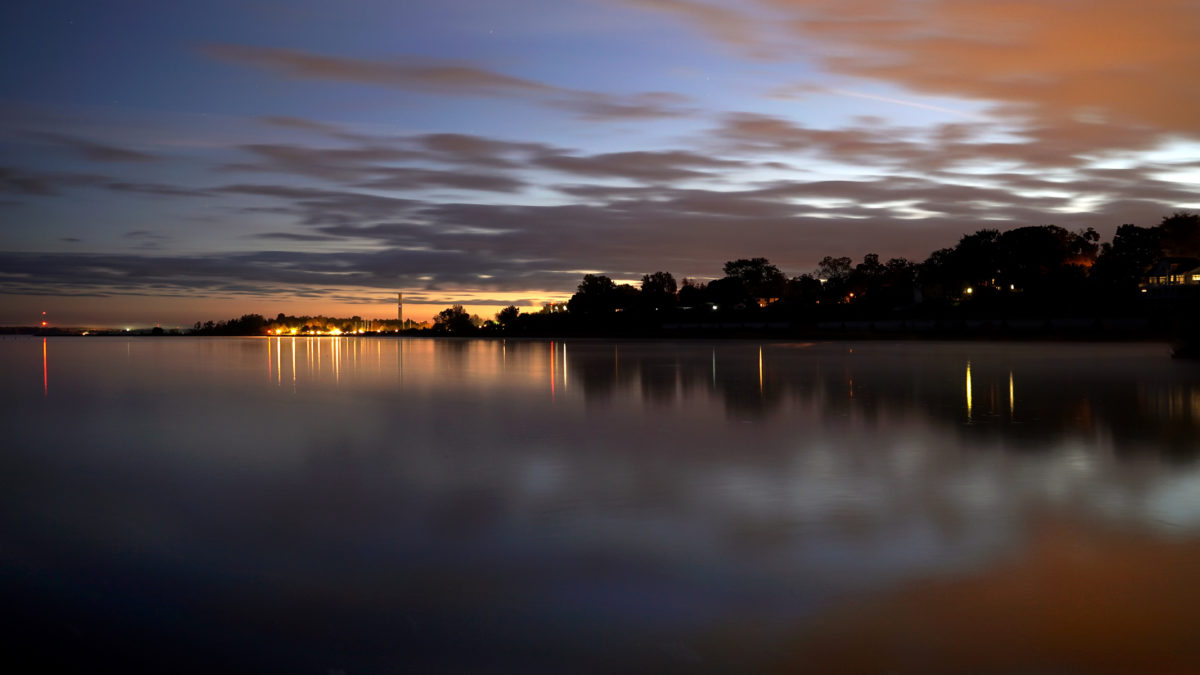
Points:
[(400, 309)]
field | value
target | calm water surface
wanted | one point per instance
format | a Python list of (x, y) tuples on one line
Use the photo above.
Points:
[(382, 506)]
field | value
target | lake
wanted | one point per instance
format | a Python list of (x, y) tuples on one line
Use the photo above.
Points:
[(373, 505)]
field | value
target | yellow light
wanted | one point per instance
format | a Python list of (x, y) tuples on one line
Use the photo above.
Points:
[(970, 290)]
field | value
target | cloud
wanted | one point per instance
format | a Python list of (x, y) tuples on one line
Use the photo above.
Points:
[(96, 152), (157, 189), (471, 150), (940, 147), (1054, 64), (645, 166), (21, 182), (336, 164), (448, 78), (316, 206), (372, 163), (383, 243), (33, 183), (600, 107), (416, 179), (410, 74), (372, 160), (52, 183)]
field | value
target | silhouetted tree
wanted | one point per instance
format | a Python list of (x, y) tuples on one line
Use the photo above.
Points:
[(831, 268), (1122, 264), (596, 295), (507, 317), (692, 293), (834, 276), (658, 291), (1180, 235), (453, 319), (626, 298), (757, 277)]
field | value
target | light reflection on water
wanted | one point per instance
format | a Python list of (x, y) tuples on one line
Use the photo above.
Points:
[(362, 504)]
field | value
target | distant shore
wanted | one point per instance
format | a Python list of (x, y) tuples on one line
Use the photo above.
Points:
[(1083, 329)]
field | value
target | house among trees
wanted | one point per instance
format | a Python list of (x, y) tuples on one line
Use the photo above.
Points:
[(1174, 272)]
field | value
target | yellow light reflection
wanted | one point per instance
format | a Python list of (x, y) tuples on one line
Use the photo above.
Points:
[(760, 374), (293, 362), (45, 371), (278, 360), (1011, 397), (968, 390)]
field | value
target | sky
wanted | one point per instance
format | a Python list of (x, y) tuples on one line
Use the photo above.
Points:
[(163, 163)]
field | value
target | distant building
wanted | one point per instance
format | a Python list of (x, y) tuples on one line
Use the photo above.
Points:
[(1174, 272)]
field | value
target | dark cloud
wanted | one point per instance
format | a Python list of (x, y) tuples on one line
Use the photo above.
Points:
[(417, 179), (449, 78), (413, 74), (384, 243), (96, 152), (21, 182), (651, 167), (334, 164), (599, 107), (53, 183), (296, 236), (291, 122), (158, 189), (314, 206), (479, 151)]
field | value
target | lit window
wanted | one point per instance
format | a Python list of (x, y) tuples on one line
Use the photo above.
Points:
[(1196, 277)]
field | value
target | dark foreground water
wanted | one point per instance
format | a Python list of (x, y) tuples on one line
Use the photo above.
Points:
[(341, 505)]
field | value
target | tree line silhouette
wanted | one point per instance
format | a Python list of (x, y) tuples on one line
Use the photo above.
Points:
[(1031, 272), (1035, 272)]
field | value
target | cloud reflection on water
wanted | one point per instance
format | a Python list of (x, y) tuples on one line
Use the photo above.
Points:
[(645, 492)]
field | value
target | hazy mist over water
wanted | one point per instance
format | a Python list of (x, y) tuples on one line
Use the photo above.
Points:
[(380, 505)]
